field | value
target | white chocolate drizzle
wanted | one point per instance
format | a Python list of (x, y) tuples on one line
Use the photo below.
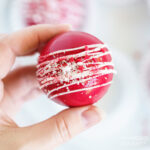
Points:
[(79, 90), (75, 82), (65, 72), (96, 46)]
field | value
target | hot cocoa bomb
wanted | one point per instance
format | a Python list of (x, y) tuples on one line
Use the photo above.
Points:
[(54, 12), (75, 69)]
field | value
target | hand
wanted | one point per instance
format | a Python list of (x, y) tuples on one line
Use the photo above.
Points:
[(19, 85)]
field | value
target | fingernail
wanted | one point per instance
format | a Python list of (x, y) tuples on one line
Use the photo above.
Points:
[(92, 116)]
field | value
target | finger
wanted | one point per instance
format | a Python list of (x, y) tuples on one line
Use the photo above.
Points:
[(60, 128), (25, 42), (20, 86), (21, 81)]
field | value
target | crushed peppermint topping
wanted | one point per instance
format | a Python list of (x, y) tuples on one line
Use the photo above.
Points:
[(74, 69)]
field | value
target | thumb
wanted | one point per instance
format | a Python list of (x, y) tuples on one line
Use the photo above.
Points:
[(60, 128)]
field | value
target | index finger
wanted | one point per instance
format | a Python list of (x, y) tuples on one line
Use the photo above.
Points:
[(25, 42)]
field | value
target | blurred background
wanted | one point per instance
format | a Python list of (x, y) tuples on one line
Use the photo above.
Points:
[(124, 25)]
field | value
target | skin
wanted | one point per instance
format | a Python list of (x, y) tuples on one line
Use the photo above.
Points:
[(20, 85)]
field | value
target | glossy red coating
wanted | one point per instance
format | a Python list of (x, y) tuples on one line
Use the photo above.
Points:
[(73, 39)]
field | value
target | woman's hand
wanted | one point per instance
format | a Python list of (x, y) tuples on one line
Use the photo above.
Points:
[(20, 85)]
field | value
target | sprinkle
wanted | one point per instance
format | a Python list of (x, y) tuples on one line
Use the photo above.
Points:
[(80, 63), (81, 68), (64, 64), (67, 88), (47, 67), (86, 56), (90, 96), (71, 59), (79, 60), (94, 59)]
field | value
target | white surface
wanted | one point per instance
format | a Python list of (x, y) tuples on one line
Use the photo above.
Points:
[(125, 28)]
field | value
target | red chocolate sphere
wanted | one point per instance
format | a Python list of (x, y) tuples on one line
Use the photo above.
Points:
[(75, 69)]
